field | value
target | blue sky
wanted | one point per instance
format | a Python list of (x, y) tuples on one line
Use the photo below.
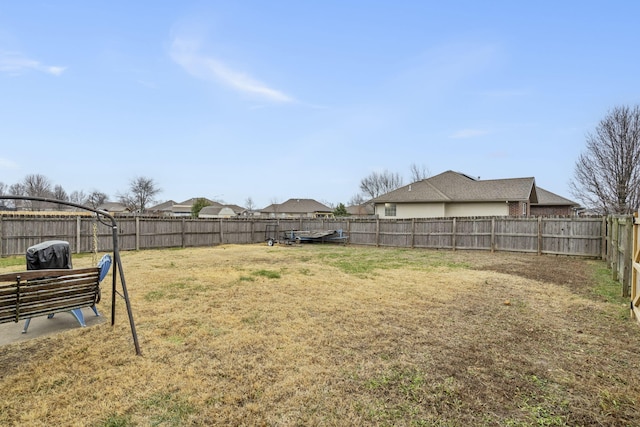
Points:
[(302, 99)]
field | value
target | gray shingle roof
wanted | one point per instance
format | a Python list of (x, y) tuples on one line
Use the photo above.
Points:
[(546, 197), (113, 207), (452, 186), (297, 206), (165, 206)]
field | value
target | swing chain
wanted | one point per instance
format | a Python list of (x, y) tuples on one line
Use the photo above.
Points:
[(95, 243)]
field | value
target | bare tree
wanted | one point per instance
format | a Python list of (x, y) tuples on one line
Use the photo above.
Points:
[(377, 184), (249, 205), (607, 173), (17, 189), (37, 185), (142, 192), (328, 204), (4, 190), (59, 193), (418, 173), (96, 198), (78, 197), (356, 200)]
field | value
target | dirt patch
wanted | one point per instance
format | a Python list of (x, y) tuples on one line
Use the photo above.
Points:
[(572, 273)]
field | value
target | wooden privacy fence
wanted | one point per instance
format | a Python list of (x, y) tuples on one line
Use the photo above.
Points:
[(619, 250), (560, 236), (635, 270)]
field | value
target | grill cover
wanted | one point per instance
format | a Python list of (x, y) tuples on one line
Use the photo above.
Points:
[(50, 254)]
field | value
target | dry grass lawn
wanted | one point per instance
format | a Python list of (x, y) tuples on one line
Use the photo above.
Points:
[(334, 335)]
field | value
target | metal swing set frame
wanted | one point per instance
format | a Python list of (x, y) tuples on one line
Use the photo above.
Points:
[(108, 220)]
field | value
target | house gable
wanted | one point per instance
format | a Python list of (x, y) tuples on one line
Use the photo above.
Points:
[(551, 204)]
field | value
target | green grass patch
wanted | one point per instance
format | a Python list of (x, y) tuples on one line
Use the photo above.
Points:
[(269, 274), (175, 339), (177, 286), (542, 404), (406, 393), (116, 420), (361, 262), (12, 261), (168, 409), (154, 296), (606, 287), (253, 318)]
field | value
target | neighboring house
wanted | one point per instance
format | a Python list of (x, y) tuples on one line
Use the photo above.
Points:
[(114, 208), (184, 208), (453, 194), (237, 209), (249, 213), (297, 208), (213, 210), (217, 212), (163, 209), (550, 204), (363, 210)]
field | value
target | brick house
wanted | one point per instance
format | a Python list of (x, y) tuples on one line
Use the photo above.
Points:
[(453, 194)]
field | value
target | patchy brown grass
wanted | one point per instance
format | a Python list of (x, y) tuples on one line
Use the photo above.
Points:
[(334, 335)]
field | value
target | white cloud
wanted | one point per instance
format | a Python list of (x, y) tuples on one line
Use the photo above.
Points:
[(15, 63), (468, 133), (185, 53)]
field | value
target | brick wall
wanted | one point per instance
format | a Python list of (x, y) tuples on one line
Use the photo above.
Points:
[(551, 211), (515, 209)]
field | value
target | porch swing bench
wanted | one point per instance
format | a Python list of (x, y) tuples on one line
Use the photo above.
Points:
[(46, 291), (33, 293)]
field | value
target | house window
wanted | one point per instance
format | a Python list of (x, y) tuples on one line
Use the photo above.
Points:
[(389, 209), (524, 209)]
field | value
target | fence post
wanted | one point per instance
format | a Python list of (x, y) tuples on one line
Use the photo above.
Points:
[(493, 235), (603, 244), (453, 237), (635, 265), (413, 233), (628, 259), (221, 233), (539, 235), (137, 233), (183, 225), (614, 248), (608, 236), (78, 229), (377, 233), (1, 254)]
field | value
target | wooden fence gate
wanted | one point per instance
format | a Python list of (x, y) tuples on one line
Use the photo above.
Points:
[(635, 269)]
